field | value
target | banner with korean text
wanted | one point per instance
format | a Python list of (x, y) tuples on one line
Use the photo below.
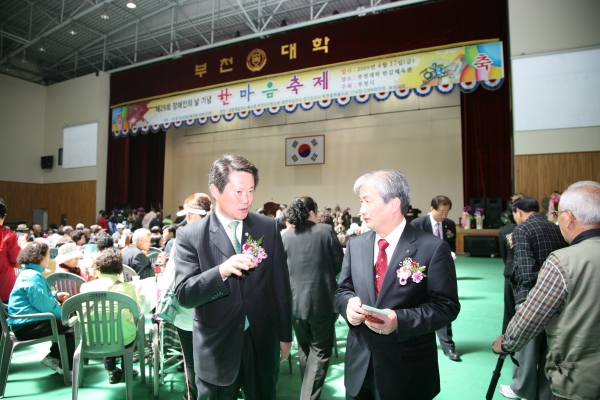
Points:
[(465, 66)]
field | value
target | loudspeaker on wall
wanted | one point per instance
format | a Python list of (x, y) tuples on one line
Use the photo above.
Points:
[(493, 211), (47, 162)]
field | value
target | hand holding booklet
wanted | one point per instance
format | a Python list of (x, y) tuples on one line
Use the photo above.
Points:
[(372, 310)]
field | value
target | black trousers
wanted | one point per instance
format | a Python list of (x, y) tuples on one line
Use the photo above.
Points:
[(315, 344), (509, 304), (445, 336), (187, 348), (39, 329), (255, 383), (369, 388)]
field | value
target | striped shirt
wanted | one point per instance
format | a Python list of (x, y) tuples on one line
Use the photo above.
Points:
[(546, 299)]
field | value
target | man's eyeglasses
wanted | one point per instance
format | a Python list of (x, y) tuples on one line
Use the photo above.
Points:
[(556, 213)]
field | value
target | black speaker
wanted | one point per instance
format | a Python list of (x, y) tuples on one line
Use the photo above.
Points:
[(47, 162), (493, 211), (476, 202), (481, 245)]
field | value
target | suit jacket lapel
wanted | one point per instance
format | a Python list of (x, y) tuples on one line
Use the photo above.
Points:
[(427, 225), (405, 248), (367, 255), (219, 238)]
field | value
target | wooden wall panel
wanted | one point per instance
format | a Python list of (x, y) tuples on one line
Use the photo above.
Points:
[(20, 199), (539, 175), (75, 199)]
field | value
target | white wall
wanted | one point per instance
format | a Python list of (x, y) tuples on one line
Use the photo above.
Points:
[(22, 112), (33, 120), (417, 136), (542, 26), (75, 102)]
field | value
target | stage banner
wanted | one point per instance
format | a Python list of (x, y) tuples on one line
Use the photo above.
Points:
[(419, 71)]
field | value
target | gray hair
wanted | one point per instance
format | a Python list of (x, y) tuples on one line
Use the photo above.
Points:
[(388, 183), (138, 234), (583, 200), (67, 229)]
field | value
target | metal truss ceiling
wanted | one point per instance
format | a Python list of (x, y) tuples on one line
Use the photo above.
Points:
[(50, 41)]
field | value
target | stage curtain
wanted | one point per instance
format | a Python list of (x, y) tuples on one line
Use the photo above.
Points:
[(136, 167)]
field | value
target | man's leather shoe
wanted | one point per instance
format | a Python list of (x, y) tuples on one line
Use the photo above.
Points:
[(452, 355)]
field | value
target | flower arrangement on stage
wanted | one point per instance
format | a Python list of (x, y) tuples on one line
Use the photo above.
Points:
[(466, 217), (553, 204), (479, 217)]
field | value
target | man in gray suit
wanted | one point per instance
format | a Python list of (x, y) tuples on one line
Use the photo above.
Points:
[(314, 256), (242, 311), (394, 355), (134, 255)]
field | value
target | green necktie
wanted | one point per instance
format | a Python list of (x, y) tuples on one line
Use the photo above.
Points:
[(233, 236)]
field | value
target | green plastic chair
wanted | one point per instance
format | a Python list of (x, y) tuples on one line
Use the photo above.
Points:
[(65, 282), (103, 337), (9, 342), (128, 272), (152, 257)]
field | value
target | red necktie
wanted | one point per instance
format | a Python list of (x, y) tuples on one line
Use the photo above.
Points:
[(381, 265)]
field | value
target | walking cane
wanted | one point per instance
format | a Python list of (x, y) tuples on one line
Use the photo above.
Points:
[(496, 374), (495, 377)]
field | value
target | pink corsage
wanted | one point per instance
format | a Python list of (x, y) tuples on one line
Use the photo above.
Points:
[(510, 242), (254, 248), (410, 269)]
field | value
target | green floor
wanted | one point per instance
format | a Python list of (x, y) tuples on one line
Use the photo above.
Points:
[(480, 284)]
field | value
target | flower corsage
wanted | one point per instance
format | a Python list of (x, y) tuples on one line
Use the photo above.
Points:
[(449, 234), (254, 248), (410, 269), (510, 242)]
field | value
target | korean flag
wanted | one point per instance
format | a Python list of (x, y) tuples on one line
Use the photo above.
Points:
[(305, 150)]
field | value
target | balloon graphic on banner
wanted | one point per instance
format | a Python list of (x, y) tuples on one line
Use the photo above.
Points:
[(304, 150)]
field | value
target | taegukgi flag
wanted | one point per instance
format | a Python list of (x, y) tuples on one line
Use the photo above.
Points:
[(305, 150)]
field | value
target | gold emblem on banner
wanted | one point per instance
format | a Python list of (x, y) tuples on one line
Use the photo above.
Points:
[(256, 60)]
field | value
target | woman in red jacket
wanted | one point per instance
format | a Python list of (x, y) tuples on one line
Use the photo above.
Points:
[(9, 250)]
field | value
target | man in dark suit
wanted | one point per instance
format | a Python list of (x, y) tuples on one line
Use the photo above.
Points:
[(394, 356), (438, 223), (507, 251), (134, 254), (242, 311), (535, 238), (314, 257)]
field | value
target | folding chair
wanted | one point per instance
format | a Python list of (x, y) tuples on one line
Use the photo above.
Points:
[(9, 342), (128, 272), (152, 257), (99, 332), (65, 282)]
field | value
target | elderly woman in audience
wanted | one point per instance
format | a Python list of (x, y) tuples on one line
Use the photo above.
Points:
[(32, 295), (9, 250), (109, 265), (68, 258)]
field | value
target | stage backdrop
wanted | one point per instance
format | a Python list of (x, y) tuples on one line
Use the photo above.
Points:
[(486, 129)]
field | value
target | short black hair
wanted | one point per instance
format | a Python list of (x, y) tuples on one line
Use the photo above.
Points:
[(110, 261), (104, 241), (170, 228), (526, 204), (2, 208), (297, 213), (441, 200), (221, 168)]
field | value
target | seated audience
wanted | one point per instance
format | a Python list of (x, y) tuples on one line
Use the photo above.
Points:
[(155, 237), (32, 295), (117, 235), (134, 255), (167, 220), (68, 258), (109, 265), (168, 238)]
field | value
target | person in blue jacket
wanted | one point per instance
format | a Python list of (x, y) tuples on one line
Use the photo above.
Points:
[(32, 295)]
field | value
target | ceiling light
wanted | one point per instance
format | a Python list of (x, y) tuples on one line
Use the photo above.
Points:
[(283, 22), (7, 64), (131, 4), (42, 48), (104, 15), (72, 30), (23, 59)]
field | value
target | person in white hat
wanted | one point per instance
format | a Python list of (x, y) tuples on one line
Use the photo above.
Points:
[(68, 258), (119, 232)]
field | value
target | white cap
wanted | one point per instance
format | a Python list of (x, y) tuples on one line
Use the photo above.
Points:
[(66, 252), (79, 226)]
